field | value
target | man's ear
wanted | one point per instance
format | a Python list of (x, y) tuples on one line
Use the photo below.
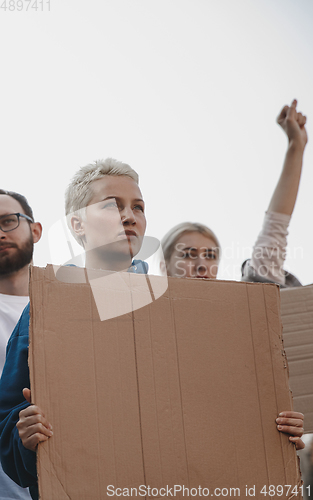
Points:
[(36, 229)]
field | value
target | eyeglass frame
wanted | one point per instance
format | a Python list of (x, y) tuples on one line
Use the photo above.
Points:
[(18, 214)]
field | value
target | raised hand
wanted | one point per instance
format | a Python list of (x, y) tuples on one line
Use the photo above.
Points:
[(293, 123)]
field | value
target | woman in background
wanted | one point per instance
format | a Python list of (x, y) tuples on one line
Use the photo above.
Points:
[(191, 250)]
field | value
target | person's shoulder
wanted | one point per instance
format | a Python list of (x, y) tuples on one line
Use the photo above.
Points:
[(139, 267), (292, 280), (249, 274)]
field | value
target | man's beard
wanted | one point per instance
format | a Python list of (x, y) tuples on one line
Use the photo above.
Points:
[(21, 257)]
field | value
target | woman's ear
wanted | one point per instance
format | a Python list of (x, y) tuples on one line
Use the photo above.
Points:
[(78, 227), (163, 268)]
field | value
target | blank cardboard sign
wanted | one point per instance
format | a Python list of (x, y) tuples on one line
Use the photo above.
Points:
[(297, 318), (180, 393)]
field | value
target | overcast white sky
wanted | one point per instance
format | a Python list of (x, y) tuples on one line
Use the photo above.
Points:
[(186, 92)]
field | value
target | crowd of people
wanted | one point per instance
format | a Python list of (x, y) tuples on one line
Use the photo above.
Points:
[(106, 195)]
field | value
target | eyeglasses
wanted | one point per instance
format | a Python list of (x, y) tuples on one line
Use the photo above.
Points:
[(12, 221)]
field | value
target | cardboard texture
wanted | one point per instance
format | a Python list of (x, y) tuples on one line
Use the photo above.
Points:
[(183, 391), (297, 318)]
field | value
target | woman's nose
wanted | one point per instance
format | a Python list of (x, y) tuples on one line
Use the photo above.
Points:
[(127, 216), (201, 267)]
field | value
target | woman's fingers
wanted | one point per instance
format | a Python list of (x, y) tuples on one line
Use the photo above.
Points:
[(33, 427)]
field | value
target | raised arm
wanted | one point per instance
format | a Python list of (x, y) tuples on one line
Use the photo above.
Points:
[(285, 194), (269, 251)]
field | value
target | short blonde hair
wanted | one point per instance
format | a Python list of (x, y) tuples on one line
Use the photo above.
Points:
[(79, 192), (169, 241)]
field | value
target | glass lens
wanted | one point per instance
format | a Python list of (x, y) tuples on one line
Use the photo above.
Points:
[(9, 222)]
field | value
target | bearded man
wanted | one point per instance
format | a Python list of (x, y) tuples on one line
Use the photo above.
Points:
[(18, 233)]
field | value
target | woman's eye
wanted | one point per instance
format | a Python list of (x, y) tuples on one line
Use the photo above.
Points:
[(139, 207), (210, 255), (189, 255), (112, 204)]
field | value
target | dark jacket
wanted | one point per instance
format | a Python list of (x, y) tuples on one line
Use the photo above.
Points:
[(18, 462), (248, 273)]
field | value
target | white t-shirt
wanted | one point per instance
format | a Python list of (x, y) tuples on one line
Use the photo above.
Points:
[(11, 308)]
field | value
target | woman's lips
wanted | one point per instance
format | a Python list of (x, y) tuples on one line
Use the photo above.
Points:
[(127, 234)]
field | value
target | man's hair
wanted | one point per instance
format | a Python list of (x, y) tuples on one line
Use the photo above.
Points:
[(170, 239), (22, 201), (79, 192)]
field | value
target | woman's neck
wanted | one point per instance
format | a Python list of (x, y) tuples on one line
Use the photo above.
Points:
[(110, 263)]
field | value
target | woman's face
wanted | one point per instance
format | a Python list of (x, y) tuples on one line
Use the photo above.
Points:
[(114, 224), (194, 256)]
